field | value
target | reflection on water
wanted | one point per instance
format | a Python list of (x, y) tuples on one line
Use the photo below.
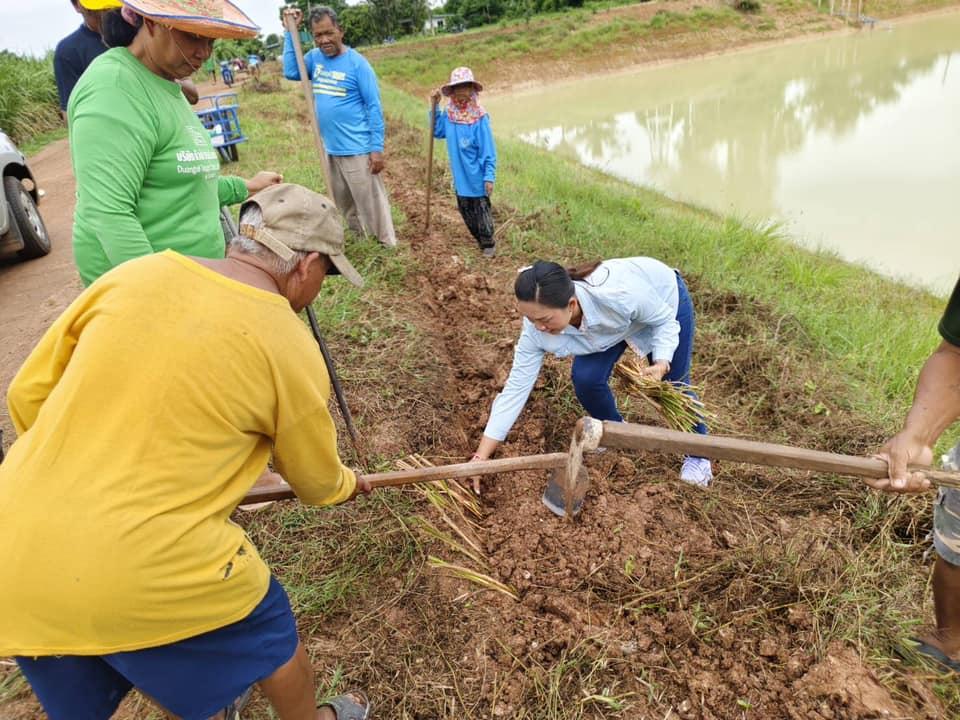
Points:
[(852, 141)]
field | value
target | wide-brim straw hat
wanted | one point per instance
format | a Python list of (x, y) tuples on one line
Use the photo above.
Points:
[(460, 76), (209, 18)]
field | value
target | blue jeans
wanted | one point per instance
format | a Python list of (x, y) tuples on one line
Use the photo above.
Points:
[(591, 373)]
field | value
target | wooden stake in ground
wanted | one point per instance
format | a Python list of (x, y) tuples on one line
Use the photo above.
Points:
[(307, 83), (433, 124)]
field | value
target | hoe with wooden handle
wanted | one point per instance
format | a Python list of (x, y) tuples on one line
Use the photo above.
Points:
[(553, 461), (627, 436)]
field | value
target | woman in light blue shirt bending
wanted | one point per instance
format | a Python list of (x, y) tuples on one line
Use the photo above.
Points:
[(593, 312)]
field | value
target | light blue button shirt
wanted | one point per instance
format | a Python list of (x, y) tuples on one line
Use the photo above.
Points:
[(633, 299)]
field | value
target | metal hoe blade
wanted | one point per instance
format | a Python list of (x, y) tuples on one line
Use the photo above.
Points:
[(555, 494)]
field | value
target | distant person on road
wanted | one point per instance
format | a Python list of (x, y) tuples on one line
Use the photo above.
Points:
[(76, 51), (148, 177), (351, 122), (145, 414), (593, 312), (465, 125), (936, 405)]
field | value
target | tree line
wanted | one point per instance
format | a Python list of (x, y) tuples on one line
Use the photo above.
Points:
[(376, 21)]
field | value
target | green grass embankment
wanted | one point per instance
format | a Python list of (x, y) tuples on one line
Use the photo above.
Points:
[(581, 34), (867, 328)]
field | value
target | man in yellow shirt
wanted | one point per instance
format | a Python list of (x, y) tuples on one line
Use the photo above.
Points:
[(144, 415)]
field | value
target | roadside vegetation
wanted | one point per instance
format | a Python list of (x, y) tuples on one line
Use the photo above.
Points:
[(28, 96)]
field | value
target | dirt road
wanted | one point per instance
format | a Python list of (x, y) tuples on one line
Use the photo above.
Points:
[(34, 293)]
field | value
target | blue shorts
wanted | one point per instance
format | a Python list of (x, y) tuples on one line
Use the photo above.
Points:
[(193, 678)]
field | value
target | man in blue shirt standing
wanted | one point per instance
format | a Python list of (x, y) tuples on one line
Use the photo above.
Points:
[(347, 101), (76, 51)]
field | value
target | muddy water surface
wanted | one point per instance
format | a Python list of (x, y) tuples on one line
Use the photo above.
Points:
[(851, 141)]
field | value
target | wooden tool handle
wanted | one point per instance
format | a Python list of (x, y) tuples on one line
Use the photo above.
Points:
[(433, 124), (428, 474), (306, 84), (645, 437)]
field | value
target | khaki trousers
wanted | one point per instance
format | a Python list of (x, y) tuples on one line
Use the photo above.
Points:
[(361, 197)]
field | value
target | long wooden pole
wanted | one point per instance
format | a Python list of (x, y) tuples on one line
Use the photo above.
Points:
[(644, 437), (307, 84), (428, 474), (433, 124)]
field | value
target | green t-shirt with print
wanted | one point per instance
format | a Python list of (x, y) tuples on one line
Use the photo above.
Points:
[(950, 322), (148, 177)]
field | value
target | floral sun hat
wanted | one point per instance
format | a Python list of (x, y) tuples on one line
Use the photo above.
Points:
[(460, 76)]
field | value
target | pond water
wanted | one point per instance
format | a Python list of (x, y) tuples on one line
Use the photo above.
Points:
[(851, 141)]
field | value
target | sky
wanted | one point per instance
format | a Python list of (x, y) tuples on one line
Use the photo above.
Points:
[(31, 27)]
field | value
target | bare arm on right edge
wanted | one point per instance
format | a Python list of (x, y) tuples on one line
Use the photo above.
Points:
[(936, 405)]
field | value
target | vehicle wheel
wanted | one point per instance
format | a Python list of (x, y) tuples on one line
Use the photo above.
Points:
[(36, 241), (224, 153), (234, 153)]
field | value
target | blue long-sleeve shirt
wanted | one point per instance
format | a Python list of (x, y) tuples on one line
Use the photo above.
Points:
[(346, 98), (72, 57), (473, 155), (633, 299)]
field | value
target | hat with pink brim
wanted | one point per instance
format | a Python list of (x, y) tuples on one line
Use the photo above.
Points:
[(207, 18), (460, 76)]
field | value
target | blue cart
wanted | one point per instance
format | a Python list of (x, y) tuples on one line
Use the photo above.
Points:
[(220, 118)]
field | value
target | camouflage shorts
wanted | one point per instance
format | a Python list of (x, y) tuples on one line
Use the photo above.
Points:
[(946, 525)]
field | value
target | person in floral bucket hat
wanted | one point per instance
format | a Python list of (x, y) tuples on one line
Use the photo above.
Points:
[(465, 125)]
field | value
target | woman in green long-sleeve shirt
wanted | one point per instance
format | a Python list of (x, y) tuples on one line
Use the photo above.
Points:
[(148, 177)]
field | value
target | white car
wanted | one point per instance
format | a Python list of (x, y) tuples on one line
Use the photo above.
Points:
[(21, 228)]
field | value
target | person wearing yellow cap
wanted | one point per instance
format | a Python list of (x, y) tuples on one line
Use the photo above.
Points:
[(148, 177), (120, 565)]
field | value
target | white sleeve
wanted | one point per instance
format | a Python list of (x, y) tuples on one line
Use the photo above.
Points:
[(527, 361), (652, 312)]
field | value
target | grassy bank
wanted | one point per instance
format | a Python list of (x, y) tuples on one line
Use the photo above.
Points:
[(874, 332), (576, 33)]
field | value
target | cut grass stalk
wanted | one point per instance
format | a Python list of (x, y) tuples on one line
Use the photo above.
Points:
[(473, 576), (436, 533), (440, 490)]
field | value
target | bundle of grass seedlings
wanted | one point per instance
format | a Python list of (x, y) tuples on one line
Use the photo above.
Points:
[(678, 410)]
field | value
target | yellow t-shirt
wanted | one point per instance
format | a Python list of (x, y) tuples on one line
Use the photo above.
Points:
[(145, 414)]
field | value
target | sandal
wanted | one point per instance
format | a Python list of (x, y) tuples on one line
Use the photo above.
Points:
[(347, 707), (935, 654)]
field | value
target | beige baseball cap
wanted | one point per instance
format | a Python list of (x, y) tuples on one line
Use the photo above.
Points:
[(295, 218)]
